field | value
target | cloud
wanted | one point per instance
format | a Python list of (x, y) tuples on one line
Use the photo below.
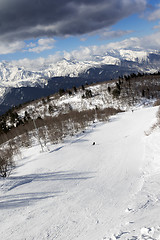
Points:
[(107, 34), (157, 26), (151, 42), (23, 19), (155, 15), (39, 63), (11, 47), (42, 45), (95, 53), (146, 44), (113, 34)]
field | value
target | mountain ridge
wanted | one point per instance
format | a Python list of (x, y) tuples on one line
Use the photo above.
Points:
[(18, 73), (48, 77)]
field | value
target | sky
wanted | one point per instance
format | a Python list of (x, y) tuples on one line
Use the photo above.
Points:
[(76, 29)]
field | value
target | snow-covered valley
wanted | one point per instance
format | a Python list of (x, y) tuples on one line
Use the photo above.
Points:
[(78, 190)]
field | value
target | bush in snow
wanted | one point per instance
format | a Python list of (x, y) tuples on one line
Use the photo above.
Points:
[(157, 102), (6, 162), (116, 92)]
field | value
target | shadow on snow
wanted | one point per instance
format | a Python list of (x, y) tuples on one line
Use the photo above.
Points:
[(24, 199)]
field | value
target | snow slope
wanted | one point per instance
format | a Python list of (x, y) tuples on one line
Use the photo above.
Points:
[(77, 190)]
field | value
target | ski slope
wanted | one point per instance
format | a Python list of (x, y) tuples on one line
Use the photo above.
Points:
[(110, 190)]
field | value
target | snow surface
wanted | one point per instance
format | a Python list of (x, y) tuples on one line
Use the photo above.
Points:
[(110, 190)]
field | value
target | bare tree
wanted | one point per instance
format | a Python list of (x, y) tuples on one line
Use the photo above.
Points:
[(6, 162)]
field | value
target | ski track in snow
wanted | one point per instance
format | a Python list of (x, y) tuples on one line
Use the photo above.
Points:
[(79, 191)]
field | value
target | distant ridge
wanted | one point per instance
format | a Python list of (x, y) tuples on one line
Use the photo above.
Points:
[(30, 83)]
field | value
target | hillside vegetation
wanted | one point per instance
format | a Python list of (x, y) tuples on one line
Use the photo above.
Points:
[(68, 112)]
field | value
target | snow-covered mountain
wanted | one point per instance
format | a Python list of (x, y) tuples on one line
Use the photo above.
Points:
[(47, 76), (31, 73), (12, 76)]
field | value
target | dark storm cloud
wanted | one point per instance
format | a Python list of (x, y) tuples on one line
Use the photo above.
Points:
[(22, 19)]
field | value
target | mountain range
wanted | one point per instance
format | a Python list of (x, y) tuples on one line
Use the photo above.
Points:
[(22, 81)]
